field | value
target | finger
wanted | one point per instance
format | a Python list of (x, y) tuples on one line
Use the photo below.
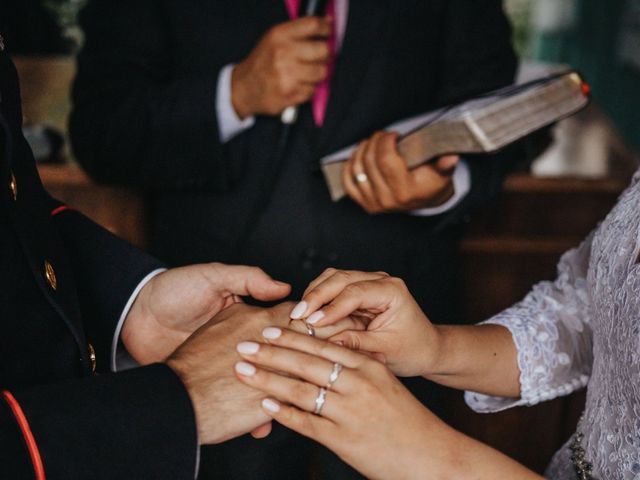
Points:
[(446, 164), (319, 279), (359, 167), (431, 184), (348, 178), (301, 365), (310, 74), (393, 167), (313, 426), (327, 290), (306, 27), (301, 94), (307, 344), (354, 322), (313, 51), (379, 184), (371, 295), (262, 431), (252, 281), (351, 323), (286, 389), (361, 342)]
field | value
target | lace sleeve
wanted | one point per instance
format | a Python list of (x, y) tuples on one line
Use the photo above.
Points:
[(552, 333)]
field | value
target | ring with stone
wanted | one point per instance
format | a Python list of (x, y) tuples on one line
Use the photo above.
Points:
[(310, 330), (320, 399), (335, 373)]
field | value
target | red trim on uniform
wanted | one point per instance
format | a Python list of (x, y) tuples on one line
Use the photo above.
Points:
[(60, 209), (32, 446)]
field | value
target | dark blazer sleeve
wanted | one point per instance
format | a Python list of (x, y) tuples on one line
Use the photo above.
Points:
[(125, 90), (137, 424), (107, 270), (477, 57)]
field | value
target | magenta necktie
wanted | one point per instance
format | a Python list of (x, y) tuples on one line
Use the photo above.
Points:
[(321, 94)]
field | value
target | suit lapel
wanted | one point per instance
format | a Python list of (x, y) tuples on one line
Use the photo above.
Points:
[(364, 32)]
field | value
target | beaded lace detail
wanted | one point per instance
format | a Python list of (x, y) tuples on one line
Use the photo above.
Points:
[(583, 329)]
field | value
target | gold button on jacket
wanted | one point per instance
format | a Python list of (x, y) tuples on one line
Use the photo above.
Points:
[(50, 275), (92, 358), (13, 187)]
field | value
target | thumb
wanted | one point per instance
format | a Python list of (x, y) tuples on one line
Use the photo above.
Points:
[(252, 281), (262, 431), (446, 164), (358, 341)]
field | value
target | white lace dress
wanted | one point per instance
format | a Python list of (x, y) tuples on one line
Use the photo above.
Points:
[(581, 330)]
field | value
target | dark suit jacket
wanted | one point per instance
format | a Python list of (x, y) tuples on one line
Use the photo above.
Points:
[(63, 285), (145, 115)]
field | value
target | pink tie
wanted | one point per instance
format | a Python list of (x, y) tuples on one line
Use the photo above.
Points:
[(321, 95)]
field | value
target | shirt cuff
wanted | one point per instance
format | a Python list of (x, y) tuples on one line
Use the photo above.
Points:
[(120, 358), (229, 124), (461, 185)]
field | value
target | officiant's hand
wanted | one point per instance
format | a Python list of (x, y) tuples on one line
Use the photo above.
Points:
[(376, 177), (175, 303), (397, 331), (283, 69)]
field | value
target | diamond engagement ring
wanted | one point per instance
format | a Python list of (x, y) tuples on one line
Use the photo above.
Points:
[(320, 399), (335, 373)]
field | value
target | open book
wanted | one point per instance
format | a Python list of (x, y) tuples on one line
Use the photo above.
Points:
[(484, 124)]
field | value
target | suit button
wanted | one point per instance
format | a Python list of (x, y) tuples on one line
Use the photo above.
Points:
[(309, 257), (13, 187), (92, 357), (50, 275), (332, 257)]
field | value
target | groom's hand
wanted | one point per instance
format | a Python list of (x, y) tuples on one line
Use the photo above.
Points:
[(224, 407), (177, 302)]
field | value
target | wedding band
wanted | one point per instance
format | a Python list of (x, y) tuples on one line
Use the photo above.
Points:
[(335, 373), (320, 399), (361, 177), (310, 330)]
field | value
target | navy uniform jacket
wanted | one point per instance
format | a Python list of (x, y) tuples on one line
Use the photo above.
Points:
[(64, 282)]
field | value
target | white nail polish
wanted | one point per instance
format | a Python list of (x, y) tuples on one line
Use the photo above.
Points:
[(246, 369), (248, 348), (271, 333), (315, 317), (299, 310), (270, 405)]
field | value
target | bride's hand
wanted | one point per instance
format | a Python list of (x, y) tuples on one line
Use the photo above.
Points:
[(369, 419), (398, 330)]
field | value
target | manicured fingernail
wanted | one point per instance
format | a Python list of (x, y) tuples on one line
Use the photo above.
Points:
[(246, 369), (270, 405), (248, 348), (282, 284), (298, 310), (271, 333), (339, 343), (315, 317)]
